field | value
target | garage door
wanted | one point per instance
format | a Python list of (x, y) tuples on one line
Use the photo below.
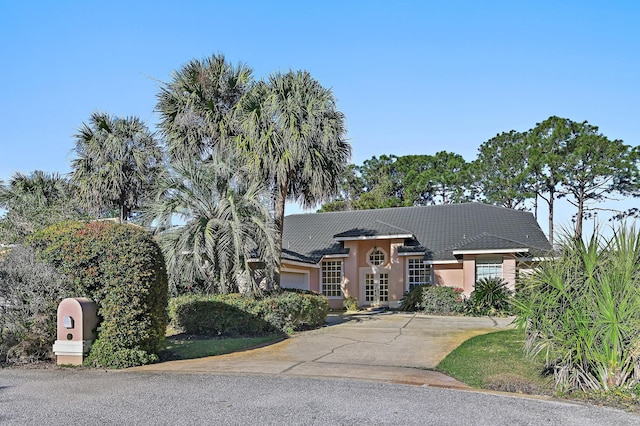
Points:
[(294, 280)]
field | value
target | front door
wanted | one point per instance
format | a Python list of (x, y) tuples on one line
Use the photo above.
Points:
[(376, 289)]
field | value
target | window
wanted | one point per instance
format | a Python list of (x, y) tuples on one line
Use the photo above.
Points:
[(376, 257), (417, 272), (332, 278), (488, 268)]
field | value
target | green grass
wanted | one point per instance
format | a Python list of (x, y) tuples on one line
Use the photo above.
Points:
[(189, 347), (496, 361)]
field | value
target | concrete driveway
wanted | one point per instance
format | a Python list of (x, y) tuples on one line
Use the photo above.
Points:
[(388, 346)]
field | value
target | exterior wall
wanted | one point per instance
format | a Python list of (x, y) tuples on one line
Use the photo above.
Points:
[(509, 271), (397, 274), (448, 274), (469, 266)]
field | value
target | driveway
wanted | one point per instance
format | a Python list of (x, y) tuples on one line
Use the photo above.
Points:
[(388, 346)]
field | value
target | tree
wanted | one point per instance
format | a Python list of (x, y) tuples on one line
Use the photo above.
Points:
[(545, 146), (118, 160), (197, 107), (294, 137), (595, 169), (34, 202), (500, 173), (226, 224), (424, 178)]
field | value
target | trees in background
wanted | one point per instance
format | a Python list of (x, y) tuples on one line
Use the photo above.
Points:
[(33, 202), (501, 173), (558, 158), (118, 160)]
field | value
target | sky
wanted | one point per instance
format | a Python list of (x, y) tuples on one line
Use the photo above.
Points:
[(411, 77)]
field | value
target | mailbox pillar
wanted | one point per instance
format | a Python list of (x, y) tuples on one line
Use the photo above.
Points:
[(77, 321)]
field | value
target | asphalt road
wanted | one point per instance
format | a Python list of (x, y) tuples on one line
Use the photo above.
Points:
[(92, 397)]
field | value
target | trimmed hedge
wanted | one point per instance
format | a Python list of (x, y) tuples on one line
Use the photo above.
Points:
[(122, 269), (234, 315)]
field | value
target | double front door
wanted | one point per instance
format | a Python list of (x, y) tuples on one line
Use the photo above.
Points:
[(376, 289)]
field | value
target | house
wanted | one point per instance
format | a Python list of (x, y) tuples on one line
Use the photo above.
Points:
[(377, 255)]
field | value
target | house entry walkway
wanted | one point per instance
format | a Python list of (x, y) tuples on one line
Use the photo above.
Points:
[(382, 346)]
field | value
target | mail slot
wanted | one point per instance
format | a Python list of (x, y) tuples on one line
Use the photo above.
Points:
[(76, 324)]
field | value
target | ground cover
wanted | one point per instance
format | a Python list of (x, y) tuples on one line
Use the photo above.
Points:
[(497, 361)]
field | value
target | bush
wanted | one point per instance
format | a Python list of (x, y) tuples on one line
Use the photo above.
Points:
[(235, 315), (442, 300), (29, 295), (490, 296), (412, 299), (121, 268), (350, 303)]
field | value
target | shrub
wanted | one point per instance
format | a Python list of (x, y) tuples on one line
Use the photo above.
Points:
[(122, 269), (490, 296), (581, 310), (234, 315), (442, 300), (412, 299), (350, 303), (29, 295)]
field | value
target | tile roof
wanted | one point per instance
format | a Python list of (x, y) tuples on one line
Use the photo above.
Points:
[(438, 230)]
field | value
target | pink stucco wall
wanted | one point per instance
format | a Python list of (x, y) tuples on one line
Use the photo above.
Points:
[(450, 275)]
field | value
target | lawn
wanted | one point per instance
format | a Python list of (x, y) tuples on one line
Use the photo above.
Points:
[(182, 346), (496, 361)]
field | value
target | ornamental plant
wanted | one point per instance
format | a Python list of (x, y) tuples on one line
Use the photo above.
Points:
[(122, 269), (442, 300), (581, 310)]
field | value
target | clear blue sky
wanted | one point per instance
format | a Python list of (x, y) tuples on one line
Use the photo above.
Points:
[(412, 77)]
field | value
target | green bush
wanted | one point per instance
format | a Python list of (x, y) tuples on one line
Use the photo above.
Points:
[(122, 269), (490, 296), (235, 315), (350, 303), (412, 300), (29, 295), (442, 300)]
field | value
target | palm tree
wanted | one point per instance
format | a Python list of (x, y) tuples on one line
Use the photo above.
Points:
[(196, 107), (294, 137), (35, 201), (118, 160), (225, 224)]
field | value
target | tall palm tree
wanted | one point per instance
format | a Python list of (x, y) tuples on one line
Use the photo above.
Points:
[(118, 160), (293, 135), (225, 223), (196, 107)]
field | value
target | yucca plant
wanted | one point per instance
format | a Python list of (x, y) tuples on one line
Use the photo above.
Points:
[(490, 296), (583, 310)]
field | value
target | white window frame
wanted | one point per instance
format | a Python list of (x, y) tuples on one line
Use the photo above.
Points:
[(384, 257), (412, 262), (489, 268), (328, 288)]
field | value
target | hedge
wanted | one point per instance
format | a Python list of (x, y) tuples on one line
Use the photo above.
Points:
[(234, 315), (122, 269)]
